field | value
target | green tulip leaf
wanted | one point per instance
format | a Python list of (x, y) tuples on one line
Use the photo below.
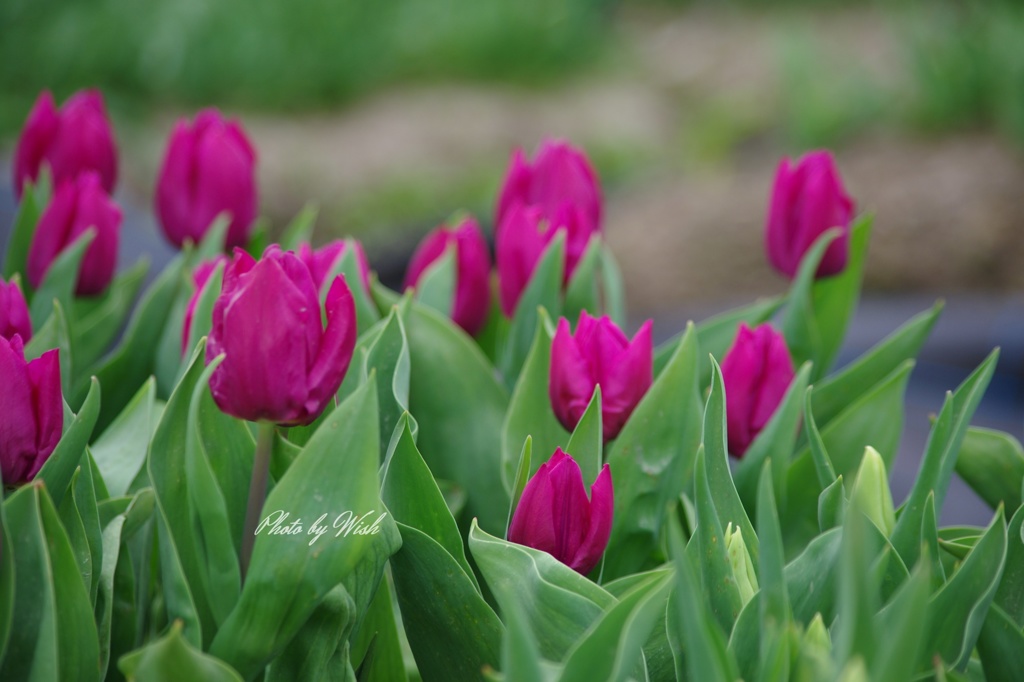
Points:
[(60, 279), (181, 604), (586, 445), (819, 455), (309, 655), (459, 406), (59, 468), (377, 646), (613, 291), (520, 481), (898, 626), (718, 580), (120, 451), (348, 265), (858, 593), (992, 463), (56, 333), (33, 202), (775, 608), (1001, 647), (6, 583), (388, 357), (437, 286), (652, 460), (300, 229), (172, 659), (558, 603), (529, 411), (80, 517), (98, 320), (202, 314), (452, 631), (332, 485), (799, 323), (520, 658), (1010, 595), (583, 292), (228, 446), (832, 505)]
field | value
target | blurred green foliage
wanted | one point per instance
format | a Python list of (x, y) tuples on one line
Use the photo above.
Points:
[(275, 54)]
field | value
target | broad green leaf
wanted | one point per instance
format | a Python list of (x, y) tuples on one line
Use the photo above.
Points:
[(956, 613), (992, 463), (521, 479), (56, 473), (930, 541), (412, 497), (520, 659), (202, 314), (940, 457), (333, 483), (388, 361), (898, 627), (832, 395), (543, 291), (613, 291), (583, 293), (7, 583), (613, 647), (437, 286), (98, 320), (33, 201), (181, 604), (60, 280), (718, 580), (775, 609), (652, 460), (300, 229), (377, 646), (529, 410), (832, 505), (1001, 647), (56, 333), (799, 324), (348, 265), (822, 463), (120, 451), (559, 603), (858, 596), (308, 656), (172, 659), (452, 631), (459, 406), (71, 520), (586, 445), (1010, 595)]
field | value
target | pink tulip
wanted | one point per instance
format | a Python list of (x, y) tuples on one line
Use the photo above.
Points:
[(321, 261), (14, 317), (74, 139), (555, 516), (807, 200), (281, 364), (473, 270), (209, 168), (78, 205), (756, 371), (599, 354), (31, 410)]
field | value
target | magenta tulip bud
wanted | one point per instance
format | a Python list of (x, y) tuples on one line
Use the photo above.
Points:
[(14, 317), (473, 270), (555, 516), (200, 276), (75, 139), (78, 205), (522, 238), (321, 261), (599, 354), (559, 174), (281, 363), (209, 168), (756, 371), (31, 410), (807, 200)]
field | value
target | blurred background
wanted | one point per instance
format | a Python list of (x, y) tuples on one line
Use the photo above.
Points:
[(393, 114)]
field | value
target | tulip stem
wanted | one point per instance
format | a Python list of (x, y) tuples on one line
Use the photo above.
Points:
[(257, 490)]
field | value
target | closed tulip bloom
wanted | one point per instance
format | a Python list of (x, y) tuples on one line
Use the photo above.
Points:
[(14, 317), (756, 371), (558, 174), (807, 199), (281, 363), (31, 410), (473, 270), (599, 354), (74, 139), (200, 276), (521, 239), (209, 168), (555, 516), (322, 261), (78, 205)]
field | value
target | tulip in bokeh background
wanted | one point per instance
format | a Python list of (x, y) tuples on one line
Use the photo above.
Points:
[(31, 410)]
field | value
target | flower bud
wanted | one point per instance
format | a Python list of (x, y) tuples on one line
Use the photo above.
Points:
[(281, 364), (871, 494), (808, 199), (599, 353), (200, 276), (31, 410), (75, 139), (78, 205), (14, 317), (523, 235), (473, 270), (559, 174), (209, 168), (742, 566), (555, 516), (756, 371), (321, 261)]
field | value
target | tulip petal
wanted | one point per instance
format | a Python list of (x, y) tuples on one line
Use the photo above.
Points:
[(473, 290), (336, 346), (18, 431), (571, 379), (570, 508), (429, 250), (532, 524), (14, 316), (627, 380), (48, 406), (40, 129), (520, 245), (602, 506), (515, 189)]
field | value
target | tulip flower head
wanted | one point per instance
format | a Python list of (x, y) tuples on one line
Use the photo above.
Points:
[(522, 237), (559, 174), (807, 199), (599, 353), (76, 206), (473, 270), (323, 260), (756, 371), (209, 168), (74, 139), (555, 516), (14, 317), (31, 410), (281, 364)]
